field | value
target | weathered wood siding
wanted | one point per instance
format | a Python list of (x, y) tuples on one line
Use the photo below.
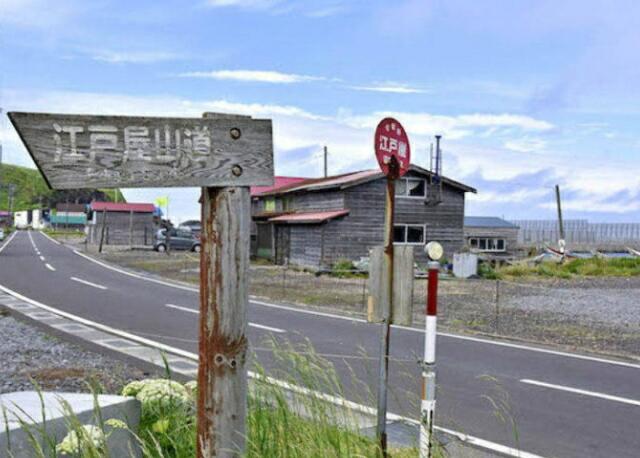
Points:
[(117, 229), (351, 236)]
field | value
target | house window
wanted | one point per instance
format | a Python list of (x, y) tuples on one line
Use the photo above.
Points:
[(410, 234), (270, 204), (411, 187), (488, 244)]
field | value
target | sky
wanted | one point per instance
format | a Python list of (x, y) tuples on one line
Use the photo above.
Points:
[(526, 94)]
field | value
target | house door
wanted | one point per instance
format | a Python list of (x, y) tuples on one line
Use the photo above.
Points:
[(283, 235)]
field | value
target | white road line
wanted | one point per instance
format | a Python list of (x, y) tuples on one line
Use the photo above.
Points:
[(594, 359), (267, 328), (50, 267), (4, 245), (88, 283), (134, 275), (594, 394), (253, 325), (184, 309), (460, 337), (50, 238), (42, 258), (333, 399)]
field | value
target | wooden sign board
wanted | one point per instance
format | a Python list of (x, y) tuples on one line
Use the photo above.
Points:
[(378, 305), (86, 151)]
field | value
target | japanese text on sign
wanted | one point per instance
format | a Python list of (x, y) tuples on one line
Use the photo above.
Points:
[(162, 146)]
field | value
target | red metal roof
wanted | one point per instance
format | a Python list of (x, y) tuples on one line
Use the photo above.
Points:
[(351, 179), (122, 207), (278, 182), (309, 217)]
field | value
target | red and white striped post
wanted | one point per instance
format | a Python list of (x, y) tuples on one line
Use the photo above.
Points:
[(428, 404)]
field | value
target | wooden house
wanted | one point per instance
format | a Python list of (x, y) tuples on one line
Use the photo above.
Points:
[(124, 223), (315, 222), (490, 235)]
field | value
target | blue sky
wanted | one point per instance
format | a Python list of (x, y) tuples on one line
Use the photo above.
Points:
[(527, 94)]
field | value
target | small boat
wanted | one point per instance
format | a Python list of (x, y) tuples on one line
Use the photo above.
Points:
[(558, 253), (633, 252)]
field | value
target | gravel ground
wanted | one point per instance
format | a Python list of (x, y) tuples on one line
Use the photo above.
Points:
[(28, 354)]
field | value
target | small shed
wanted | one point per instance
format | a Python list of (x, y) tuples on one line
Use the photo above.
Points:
[(5, 218), (490, 234), (130, 224), (69, 215)]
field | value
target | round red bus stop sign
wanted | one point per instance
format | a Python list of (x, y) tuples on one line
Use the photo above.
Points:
[(392, 148)]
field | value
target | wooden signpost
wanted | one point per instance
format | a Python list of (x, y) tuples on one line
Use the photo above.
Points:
[(223, 154), (393, 152)]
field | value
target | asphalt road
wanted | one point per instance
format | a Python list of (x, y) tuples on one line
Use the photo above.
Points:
[(545, 403)]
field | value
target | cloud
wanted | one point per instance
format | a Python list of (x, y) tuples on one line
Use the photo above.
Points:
[(525, 144), (391, 87), (133, 57), (312, 9), (260, 76), (507, 180)]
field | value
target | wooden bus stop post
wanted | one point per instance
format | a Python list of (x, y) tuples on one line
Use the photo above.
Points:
[(224, 265)]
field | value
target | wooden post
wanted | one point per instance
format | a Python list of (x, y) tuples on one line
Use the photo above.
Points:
[(385, 328), (224, 265), (130, 229), (224, 295), (104, 224)]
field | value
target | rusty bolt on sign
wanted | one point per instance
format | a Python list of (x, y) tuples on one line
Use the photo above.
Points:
[(236, 170)]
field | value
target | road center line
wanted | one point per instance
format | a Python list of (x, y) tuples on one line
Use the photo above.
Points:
[(88, 283), (50, 267), (253, 325), (594, 394), (42, 258), (252, 300)]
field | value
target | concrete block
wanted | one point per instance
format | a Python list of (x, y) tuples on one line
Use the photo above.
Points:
[(46, 420), (465, 265)]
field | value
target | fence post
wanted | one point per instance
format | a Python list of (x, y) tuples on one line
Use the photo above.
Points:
[(497, 325)]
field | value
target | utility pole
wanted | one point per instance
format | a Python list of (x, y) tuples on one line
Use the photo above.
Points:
[(326, 160), (561, 241)]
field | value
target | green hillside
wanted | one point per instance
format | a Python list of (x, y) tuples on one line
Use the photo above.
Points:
[(32, 191)]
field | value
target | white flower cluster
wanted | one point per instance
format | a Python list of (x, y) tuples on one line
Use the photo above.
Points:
[(158, 393), (88, 436)]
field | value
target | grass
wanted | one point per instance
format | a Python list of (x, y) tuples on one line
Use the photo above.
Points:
[(592, 267), (280, 423), (64, 233)]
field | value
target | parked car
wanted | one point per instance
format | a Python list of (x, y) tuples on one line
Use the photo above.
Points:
[(179, 239)]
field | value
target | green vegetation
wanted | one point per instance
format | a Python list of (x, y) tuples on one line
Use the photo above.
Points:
[(31, 190), (592, 267), (64, 233), (280, 423)]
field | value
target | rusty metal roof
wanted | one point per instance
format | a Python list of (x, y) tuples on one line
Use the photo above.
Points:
[(278, 182), (122, 207), (352, 179), (309, 217)]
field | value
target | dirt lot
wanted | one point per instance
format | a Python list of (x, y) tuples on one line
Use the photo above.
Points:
[(601, 314)]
